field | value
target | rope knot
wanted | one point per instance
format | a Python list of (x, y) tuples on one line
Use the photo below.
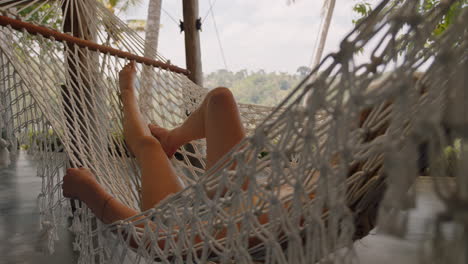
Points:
[(3, 143), (47, 237), (4, 154)]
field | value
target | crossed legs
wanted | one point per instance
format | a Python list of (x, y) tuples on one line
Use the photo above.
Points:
[(217, 119)]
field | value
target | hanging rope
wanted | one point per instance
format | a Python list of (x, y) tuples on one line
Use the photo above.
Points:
[(209, 10), (170, 16), (217, 34)]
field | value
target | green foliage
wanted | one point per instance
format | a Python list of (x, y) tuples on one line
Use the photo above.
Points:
[(39, 13), (449, 18), (448, 161), (303, 71), (42, 14), (257, 87), (364, 7), (46, 140), (121, 5)]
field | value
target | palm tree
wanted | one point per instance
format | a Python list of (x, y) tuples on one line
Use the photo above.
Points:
[(151, 47), (327, 9), (152, 27)]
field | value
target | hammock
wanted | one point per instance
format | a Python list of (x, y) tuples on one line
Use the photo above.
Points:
[(321, 169)]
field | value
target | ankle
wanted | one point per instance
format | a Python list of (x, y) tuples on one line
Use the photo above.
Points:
[(175, 137), (128, 98), (127, 92)]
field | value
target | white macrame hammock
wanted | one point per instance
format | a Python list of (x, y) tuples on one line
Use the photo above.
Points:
[(321, 169)]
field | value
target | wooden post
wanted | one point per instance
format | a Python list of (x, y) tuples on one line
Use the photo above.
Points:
[(192, 41), (193, 60)]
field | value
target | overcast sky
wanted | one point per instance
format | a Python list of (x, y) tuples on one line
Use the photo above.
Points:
[(255, 34)]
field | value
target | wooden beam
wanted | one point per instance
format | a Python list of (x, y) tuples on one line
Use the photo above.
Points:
[(192, 41), (83, 43)]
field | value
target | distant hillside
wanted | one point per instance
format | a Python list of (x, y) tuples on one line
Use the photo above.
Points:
[(257, 87)]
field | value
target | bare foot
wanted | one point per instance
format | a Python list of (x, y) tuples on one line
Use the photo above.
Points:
[(79, 183), (165, 138), (126, 82), (127, 78)]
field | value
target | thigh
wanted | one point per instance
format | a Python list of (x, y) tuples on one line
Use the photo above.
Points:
[(223, 126)]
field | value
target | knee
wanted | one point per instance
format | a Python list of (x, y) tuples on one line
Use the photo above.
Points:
[(220, 95), (145, 143)]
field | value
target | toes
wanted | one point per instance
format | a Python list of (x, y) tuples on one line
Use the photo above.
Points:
[(155, 130), (151, 128), (71, 170)]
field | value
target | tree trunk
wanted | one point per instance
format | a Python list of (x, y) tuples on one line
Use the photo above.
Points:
[(152, 28), (151, 48), (328, 8)]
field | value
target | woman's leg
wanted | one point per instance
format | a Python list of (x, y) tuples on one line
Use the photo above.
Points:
[(217, 119), (223, 126), (158, 176)]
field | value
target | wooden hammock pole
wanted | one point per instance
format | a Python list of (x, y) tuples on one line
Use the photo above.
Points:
[(58, 36)]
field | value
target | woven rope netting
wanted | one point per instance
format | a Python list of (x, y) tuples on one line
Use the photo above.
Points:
[(317, 170)]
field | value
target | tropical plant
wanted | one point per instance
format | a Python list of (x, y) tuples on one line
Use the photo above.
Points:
[(153, 25), (115, 6), (119, 5), (364, 7), (40, 13), (449, 160)]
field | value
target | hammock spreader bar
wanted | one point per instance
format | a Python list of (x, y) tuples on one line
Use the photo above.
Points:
[(58, 36)]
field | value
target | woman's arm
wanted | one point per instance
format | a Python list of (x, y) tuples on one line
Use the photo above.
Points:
[(80, 183)]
